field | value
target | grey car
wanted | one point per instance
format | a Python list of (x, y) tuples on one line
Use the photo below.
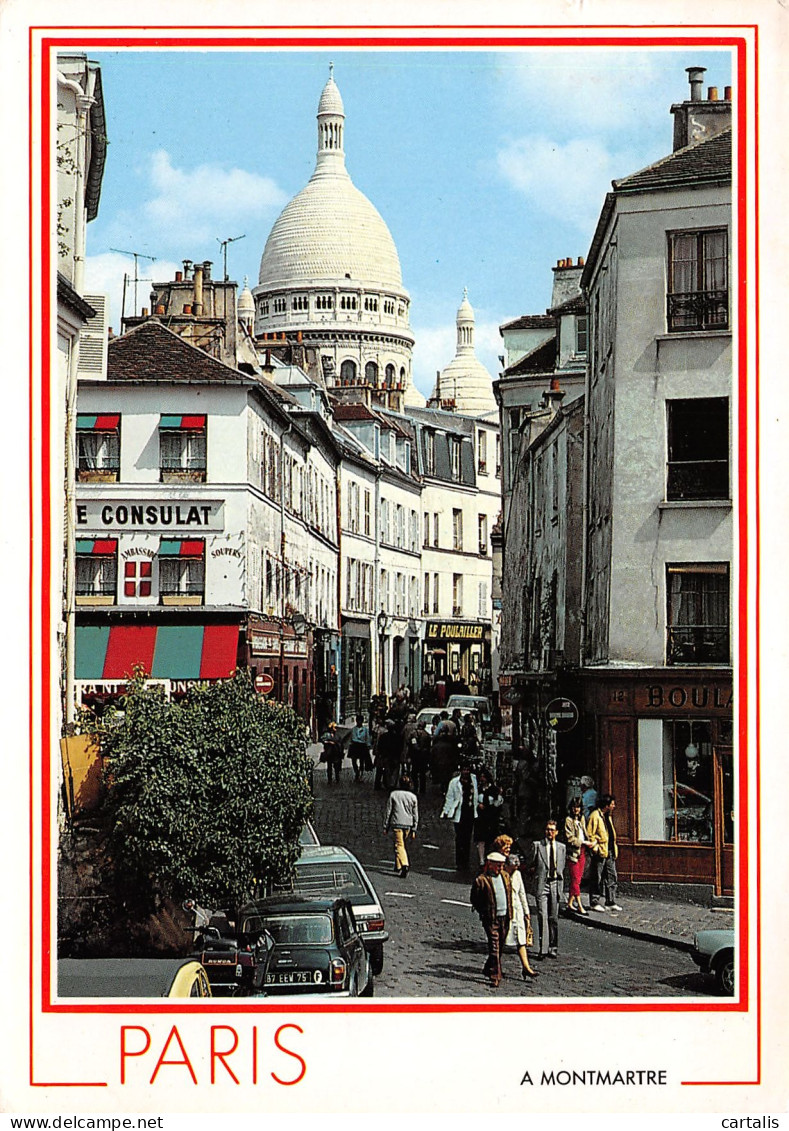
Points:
[(328, 870), (713, 953)]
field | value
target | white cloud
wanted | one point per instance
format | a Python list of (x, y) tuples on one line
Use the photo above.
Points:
[(565, 180), (598, 90), (188, 203)]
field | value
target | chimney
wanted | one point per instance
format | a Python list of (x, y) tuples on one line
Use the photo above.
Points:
[(552, 398), (187, 265), (207, 269), (179, 276), (698, 119), (696, 80), (198, 302)]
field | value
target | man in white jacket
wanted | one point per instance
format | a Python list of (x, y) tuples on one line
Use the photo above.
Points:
[(460, 806), (402, 816)]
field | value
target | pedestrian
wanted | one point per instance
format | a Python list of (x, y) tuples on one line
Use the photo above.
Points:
[(491, 898), (332, 752), (441, 691), (469, 739), (420, 757), (588, 795), (577, 842), (602, 835), (460, 806), (402, 817), (444, 752), (548, 857), (389, 752), (487, 822), (520, 932), (359, 748)]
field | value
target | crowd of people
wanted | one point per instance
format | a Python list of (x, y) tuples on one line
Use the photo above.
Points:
[(400, 754)]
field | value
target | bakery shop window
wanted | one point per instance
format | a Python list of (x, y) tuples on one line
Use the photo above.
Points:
[(675, 780)]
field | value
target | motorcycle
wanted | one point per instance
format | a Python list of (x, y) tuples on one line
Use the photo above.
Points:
[(235, 964)]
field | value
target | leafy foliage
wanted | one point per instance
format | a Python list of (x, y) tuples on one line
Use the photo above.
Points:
[(206, 797)]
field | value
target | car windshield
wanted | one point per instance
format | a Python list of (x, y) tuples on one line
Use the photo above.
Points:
[(319, 877), (292, 928)]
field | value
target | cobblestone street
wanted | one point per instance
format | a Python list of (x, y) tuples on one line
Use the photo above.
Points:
[(436, 946)]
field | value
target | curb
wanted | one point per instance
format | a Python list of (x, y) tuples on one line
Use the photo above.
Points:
[(616, 928)]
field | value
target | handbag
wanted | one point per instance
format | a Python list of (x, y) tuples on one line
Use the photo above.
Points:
[(529, 934)]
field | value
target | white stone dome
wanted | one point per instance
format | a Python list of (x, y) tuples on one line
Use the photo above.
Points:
[(465, 381), (330, 231), (246, 303)]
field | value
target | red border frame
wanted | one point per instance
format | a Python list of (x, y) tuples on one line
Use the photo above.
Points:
[(280, 38)]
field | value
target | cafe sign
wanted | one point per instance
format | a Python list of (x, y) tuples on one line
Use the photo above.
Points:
[(445, 630), (150, 514)]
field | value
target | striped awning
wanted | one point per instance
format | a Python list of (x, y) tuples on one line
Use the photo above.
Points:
[(183, 423), (103, 546), (170, 651), (182, 547), (101, 422)]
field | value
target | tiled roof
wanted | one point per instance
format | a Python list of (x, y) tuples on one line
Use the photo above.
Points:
[(151, 352), (530, 322), (708, 160), (352, 411), (574, 305), (540, 360)]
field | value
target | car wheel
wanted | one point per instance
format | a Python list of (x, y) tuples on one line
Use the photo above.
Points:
[(369, 989), (724, 974), (377, 958)]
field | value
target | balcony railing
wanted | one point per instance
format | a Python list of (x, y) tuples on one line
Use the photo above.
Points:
[(698, 310), (698, 644), (697, 479)]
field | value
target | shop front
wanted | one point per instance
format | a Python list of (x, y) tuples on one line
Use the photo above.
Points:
[(665, 749), (356, 668), (456, 651), (280, 651)]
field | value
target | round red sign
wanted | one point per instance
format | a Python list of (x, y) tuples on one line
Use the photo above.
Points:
[(264, 683)]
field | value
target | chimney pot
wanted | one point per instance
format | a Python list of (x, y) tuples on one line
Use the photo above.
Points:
[(187, 308), (179, 275), (207, 268), (145, 312), (712, 94), (160, 309), (727, 93), (580, 261), (187, 264), (696, 80)]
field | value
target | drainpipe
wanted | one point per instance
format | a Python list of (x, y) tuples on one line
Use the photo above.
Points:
[(282, 544)]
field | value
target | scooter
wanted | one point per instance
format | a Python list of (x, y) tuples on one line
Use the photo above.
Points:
[(235, 965)]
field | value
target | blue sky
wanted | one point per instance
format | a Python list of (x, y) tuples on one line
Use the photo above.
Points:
[(487, 167)]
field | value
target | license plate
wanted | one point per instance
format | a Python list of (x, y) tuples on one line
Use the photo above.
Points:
[(289, 977)]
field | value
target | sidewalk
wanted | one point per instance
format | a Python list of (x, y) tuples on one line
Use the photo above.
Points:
[(351, 811)]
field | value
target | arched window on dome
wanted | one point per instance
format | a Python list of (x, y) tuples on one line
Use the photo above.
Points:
[(348, 373), (389, 376), (371, 373), (402, 377)]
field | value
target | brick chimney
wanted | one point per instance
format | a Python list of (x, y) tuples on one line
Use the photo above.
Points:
[(566, 280), (700, 118)]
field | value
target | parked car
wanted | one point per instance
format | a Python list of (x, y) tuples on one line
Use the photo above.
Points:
[(713, 953), (235, 962), (132, 977), (478, 704), (331, 871), (317, 948)]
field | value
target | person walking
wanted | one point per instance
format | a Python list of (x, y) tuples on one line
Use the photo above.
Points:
[(491, 898), (489, 809), (520, 927), (602, 835), (420, 757), (588, 795), (332, 752), (444, 751), (577, 842), (402, 817), (460, 806), (359, 748), (549, 857)]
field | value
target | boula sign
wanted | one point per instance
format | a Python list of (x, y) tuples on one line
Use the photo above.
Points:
[(152, 514)]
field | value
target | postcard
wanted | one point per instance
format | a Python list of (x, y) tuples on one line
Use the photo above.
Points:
[(394, 541)]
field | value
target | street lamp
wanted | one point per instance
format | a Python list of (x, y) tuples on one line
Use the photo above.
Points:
[(381, 622)]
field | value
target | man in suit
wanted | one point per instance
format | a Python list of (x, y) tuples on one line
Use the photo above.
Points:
[(548, 857)]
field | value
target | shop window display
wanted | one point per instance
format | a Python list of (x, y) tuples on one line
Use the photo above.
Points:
[(675, 780)]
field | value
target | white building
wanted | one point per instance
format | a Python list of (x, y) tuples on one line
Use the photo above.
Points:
[(330, 277)]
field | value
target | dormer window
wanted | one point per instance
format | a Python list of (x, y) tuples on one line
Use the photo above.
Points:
[(581, 334)]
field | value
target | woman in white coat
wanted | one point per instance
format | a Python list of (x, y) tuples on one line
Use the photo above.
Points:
[(521, 915)]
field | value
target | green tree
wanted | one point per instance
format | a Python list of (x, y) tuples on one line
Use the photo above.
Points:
[(206, 797)]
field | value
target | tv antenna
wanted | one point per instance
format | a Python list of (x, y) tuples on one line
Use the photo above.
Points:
[(135, 255), (223, 244)]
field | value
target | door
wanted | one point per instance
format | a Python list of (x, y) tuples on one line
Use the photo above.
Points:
[(723, 808)]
